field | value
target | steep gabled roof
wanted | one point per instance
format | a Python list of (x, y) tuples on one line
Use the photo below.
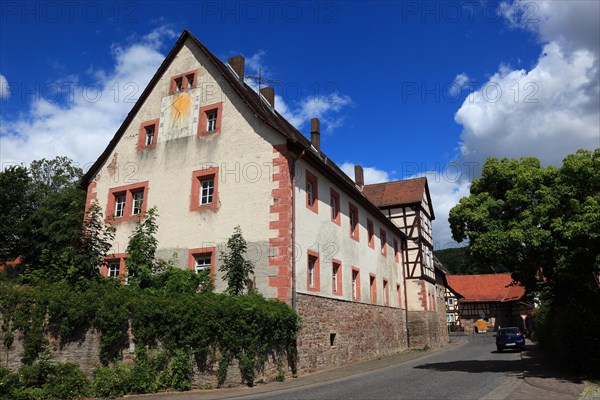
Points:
[(271, 117), (486, 287), (396, 193)]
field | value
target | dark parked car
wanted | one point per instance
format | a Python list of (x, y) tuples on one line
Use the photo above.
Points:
[(509, 338)]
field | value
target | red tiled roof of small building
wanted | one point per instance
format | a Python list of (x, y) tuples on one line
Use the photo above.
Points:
[(486, 287), (397, 192)]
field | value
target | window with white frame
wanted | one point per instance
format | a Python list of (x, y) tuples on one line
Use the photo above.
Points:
[(190, 80), (335, 278), (138, 200), (120, 205), (114, 269), (311, 271), (149, 134), (207, 188), (355, 285), (178, 84), (309, 193), (211, 121), (202, 262)]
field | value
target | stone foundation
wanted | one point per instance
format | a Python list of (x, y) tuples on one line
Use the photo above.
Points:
[(336, 332)]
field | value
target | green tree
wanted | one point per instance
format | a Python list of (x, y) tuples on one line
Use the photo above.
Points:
[(53, 235), (543, 225), (236, 268), (141, 249), (15, 207), (53, 176), (95, 242)]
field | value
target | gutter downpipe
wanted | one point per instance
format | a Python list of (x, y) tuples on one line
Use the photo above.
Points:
[(294, 229)]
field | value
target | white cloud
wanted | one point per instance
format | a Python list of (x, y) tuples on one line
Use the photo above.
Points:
[(371, 174), (574, 24), (552, 109), (445, 193), (4, 88), (83, 122), (299, 113), (326, 109), (256, 61), (460, 82)]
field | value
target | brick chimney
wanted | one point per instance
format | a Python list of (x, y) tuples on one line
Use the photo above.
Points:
[(237, 64), (359, 176), (269, 94), (315, 133)]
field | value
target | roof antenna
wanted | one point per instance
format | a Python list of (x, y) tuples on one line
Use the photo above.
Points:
[(260, 79)]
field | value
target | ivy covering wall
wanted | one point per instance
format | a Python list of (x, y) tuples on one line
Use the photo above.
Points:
[(174, 330)]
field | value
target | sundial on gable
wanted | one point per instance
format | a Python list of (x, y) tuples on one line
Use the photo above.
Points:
[(179, 115)]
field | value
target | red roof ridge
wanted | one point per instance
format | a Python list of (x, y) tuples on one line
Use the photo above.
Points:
[(396, 181)]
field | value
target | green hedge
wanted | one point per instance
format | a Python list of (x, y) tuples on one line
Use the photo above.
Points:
[(191, 329)]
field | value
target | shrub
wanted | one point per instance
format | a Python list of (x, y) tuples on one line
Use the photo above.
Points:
[(110, 382)]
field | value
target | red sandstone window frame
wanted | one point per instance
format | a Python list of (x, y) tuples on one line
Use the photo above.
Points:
[(354, 225), (197, 178), (141, 145), (313, 181), (383, 241), (386, 292), (370, 234), (396, 259), (203, 119), (120, 257), (199, 251), (334, 198), (336, 278), (128, 191), (355, 283), (185, 82), (315, 285), (373, 288)]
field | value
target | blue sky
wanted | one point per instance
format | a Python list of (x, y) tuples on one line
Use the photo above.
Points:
[(403, 88)]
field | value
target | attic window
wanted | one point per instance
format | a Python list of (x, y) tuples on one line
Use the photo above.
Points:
[(191, 81), (148, 135), (210, 119), (178, 84), (183, 82)]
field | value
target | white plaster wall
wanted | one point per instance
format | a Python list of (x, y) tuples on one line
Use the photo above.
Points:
[(242, 151), (318, 233)]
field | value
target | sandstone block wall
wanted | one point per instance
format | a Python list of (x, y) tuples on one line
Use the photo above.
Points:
[(335, 332)]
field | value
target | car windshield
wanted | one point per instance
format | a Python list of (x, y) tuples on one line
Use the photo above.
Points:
[(508, 331)]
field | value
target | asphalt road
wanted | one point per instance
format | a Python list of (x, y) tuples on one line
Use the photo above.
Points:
[(470, 371)]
